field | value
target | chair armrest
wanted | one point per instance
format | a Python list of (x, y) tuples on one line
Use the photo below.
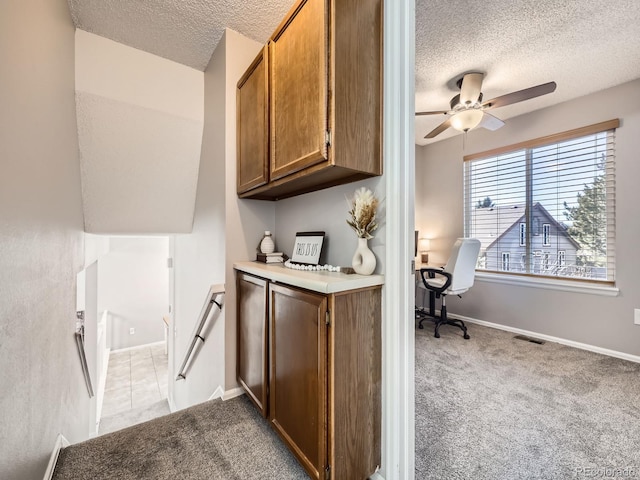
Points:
[(432, 272)]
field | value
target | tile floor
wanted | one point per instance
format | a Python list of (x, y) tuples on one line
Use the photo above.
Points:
[(135, 378)]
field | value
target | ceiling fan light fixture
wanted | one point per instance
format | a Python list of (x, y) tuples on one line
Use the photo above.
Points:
[(465, 120)]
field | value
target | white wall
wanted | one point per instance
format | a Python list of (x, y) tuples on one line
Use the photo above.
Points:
[(328, 210), (199, 256), (225, 229), (246, 220), (140, 121), (133, 285), (41, 240), (605, 322), (95, 246)]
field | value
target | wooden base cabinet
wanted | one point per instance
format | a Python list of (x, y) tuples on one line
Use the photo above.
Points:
[(252, 350), (355, 383), (324, 374), (298, 380)]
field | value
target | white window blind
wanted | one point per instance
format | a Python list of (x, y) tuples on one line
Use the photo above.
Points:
[(549, 201)]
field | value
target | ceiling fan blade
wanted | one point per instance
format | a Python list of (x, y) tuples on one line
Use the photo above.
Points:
[(439, 129), (437, 112), (490, 122), (470, 88), (520, 95)]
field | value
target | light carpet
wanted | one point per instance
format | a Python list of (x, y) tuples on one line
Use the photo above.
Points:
[(215, 440), (494, 407), (487, 408)]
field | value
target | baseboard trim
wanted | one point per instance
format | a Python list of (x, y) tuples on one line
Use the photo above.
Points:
[(226, 394), (61, 443), (219, 392), (102, 383), (550, 338), (232, 393), (172, 406), (146, 345)]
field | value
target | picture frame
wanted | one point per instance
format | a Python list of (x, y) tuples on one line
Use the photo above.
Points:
[(307, 248)]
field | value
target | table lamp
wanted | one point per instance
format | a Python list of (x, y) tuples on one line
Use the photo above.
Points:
[(424, 246)]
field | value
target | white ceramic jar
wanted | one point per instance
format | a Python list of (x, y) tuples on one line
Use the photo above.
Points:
[(267, 245)]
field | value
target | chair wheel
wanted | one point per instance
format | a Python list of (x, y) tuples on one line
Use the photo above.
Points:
[(420, 326), (466, 336), (437, 335)]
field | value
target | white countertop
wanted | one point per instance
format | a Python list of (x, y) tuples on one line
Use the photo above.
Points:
[(321, 281)]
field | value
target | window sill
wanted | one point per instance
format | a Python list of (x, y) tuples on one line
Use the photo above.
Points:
[(548, 283)]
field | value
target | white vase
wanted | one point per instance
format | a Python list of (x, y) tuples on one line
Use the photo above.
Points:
[(267, 245), (364, 261)]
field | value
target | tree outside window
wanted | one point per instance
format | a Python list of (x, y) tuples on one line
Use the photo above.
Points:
[(589, 221)]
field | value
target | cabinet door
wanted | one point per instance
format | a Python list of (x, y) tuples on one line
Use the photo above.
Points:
[(298, 89), (298, 381), (252, 136), (355, 383), (252, 351)]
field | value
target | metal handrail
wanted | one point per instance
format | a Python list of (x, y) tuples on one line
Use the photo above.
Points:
[(214, 292), (79, 336)]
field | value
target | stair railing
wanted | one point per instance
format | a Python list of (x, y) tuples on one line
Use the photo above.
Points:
[(214, 297), (79, 336)]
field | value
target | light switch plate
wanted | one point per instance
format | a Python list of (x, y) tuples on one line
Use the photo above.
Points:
[(636, 316)]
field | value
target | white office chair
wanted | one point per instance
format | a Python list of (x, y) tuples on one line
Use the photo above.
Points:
[(455, 278)]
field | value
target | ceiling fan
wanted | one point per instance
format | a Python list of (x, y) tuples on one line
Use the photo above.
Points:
[(469, 111)]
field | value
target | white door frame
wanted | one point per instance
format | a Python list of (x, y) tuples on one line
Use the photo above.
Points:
[(398, 341), (171, 336)]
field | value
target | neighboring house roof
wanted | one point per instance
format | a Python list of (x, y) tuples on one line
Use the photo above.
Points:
[(491, 222), (503, 218)]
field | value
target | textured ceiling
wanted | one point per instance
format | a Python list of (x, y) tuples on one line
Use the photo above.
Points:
[(185, 31), (583, 45)]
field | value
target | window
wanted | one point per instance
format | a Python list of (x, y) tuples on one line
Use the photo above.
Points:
[(505, 261), (523, 234), (564, 183), (536, 264), (546, 234)]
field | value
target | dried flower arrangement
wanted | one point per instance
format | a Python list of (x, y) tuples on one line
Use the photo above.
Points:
[(363, 213)]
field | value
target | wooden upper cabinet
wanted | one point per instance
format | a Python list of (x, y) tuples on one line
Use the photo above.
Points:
[(252, 118), (325, 99), (299, 89), (356, 79)]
